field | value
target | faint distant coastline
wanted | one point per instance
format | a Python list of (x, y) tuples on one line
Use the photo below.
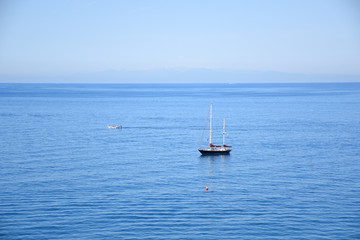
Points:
[(180, 76)]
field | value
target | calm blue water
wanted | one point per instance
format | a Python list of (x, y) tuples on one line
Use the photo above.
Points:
[(294, 172)]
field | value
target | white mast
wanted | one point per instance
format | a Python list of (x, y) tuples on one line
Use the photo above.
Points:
[(224, 134), (210, 122)]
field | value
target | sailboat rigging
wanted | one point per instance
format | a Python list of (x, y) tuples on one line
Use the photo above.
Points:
[(215, 149)]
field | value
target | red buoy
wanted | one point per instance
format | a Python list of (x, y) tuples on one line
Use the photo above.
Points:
[(207, 188)]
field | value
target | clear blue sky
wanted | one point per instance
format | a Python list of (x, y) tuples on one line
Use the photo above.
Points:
[(65, 37)]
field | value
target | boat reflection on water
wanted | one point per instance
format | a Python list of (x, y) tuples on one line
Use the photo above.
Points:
[(213, 166), (213, 158)]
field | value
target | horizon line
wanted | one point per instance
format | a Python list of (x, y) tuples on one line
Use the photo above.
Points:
[(176, 83)]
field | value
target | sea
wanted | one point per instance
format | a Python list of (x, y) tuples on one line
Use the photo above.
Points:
[(293, 173)]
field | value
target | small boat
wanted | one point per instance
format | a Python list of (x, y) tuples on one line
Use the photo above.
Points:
[(215, 149), (114, 127)]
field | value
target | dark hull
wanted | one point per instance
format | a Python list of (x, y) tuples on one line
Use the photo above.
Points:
[(214, 152)]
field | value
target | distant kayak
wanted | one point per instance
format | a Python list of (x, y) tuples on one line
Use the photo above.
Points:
[(115, 127)]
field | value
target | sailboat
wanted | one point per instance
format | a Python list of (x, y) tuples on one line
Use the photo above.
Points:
[(215, 149)]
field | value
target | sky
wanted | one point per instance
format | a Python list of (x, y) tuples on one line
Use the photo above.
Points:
[(60, 37)]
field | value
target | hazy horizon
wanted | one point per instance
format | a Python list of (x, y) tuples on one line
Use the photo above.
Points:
[(181, 76)]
